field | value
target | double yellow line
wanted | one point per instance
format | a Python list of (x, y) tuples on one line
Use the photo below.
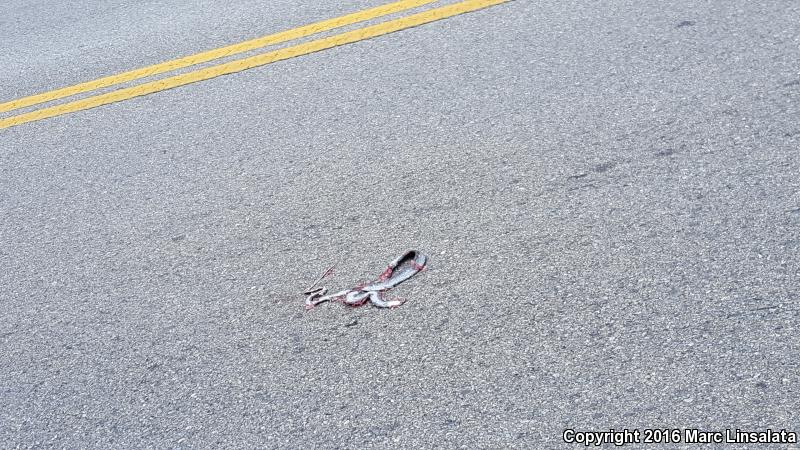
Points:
[(237, 65)]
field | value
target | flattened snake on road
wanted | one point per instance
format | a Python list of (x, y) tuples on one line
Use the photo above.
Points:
[(401, 269)]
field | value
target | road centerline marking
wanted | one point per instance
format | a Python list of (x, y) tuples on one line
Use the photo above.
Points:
[(360, 34), (210, 55)]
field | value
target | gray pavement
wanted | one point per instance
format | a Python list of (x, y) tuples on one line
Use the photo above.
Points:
[(609, 192)]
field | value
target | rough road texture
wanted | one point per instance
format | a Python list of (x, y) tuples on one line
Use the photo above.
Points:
[(609, 192)]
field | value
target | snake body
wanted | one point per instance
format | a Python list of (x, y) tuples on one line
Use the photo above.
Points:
[(400, 269)]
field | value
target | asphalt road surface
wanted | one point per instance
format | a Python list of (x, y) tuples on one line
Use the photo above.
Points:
[(609, 192)]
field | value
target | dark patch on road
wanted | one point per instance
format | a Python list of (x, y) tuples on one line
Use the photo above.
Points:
[(385, 430), (583, 186), (298, 345), (7, 334), (792, 83), (442, 324), (771, 308), (666, 152), (685, 23), (423, 210), (604, 167)]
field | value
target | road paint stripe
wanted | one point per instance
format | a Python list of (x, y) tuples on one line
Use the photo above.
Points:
[(187, 61), (254, 61)]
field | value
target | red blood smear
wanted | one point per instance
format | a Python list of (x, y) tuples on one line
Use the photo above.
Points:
[(386, 274)]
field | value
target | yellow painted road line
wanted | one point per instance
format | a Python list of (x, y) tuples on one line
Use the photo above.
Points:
[(254, 61), (180, 63)]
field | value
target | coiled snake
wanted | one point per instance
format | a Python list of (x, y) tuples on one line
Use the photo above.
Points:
[(401, 269)]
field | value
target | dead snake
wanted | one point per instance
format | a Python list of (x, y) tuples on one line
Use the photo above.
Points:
[(401, 269)]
